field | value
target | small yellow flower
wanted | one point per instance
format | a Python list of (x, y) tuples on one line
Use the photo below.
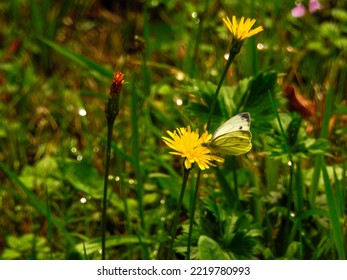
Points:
[(188, 144), (242, 30)]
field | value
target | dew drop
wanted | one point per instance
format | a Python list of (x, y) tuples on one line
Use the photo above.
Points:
[(260, 46), (179, 102), (179, 76), (82, 112)]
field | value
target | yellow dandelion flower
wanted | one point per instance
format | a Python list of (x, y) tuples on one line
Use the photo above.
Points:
[(242, 30), (188, 144)]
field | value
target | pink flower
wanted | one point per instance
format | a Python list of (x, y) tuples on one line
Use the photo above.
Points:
[(299, 10), (314, 5)]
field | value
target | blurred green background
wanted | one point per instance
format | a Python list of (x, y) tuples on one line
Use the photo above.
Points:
[(285, 199)]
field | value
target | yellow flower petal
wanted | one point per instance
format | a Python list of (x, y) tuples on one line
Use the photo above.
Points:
[(188, 144), (187, 164), (242, 30)]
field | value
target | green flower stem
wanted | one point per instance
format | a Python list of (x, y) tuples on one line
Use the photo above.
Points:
[(175, 221), (235, 49), (192, 212), (110, 123)]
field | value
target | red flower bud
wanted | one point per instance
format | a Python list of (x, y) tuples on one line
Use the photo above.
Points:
[(117, 84)]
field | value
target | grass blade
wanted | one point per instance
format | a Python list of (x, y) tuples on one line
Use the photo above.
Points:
[(103, 71), (333, 214)]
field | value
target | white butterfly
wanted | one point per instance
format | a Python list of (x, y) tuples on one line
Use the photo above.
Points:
[(233, 137)]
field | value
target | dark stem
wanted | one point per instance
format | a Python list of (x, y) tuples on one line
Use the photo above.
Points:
[(110, 123), (175, 221), (231, 57), (192, 212)]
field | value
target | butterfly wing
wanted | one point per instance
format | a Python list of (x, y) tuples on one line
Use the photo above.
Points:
[(232, 143), (233, 137), (239, 122)]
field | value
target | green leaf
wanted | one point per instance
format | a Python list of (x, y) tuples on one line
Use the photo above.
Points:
[(26, 246), (10, 254), (339, 14), (208, 249), (292, 250), (42, 174), (83, 177)]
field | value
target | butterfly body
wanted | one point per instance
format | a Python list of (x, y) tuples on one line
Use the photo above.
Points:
[(233, 137)]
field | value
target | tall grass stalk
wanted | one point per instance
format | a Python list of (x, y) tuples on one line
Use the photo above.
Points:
[(147, 82), (334, 203), (334, 215), (299, 191), (125, 202), (146, 71), (324, 135), (136, 153), (339, 195), (195, 42), (45, 21)]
